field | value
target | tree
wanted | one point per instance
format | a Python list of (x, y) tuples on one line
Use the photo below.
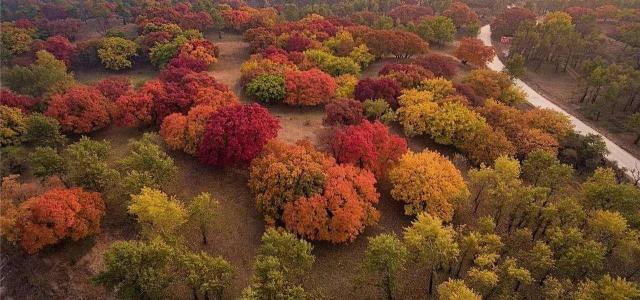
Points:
[(465, 19), (268, 88), (281, 262), (354, 189), (432, 243), (158, 214), (343, 112), (115, 53), (439, 30), (81, 109), (369, 146), (14, 40), (58, 214), (381, 88), (404, 14), (206, 274), (487, 83), (486, 144), (384, 258), (46, 162), (428, 182), (46, 75), (380, 110), (202, 211), (401, 44), (633, 125), (114, 86), (86, 165), (236, 134), (455, 289), (439, 65), (199, 49), (23, 102), (173, 131), (284, 173), (133, 109), (346, 85), (474, 51), (583, 151), (311, 87), (407, 75), (43, 131), (12, 126), (542, 168), (509, 20), (550, 121), (146, 165), (515, 65), (60, 47), (601, 191), (452, 122), (136, 269), (607, 287)]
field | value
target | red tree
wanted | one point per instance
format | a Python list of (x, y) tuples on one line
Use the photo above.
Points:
[(509, 20), (58, 214), (369, 146), (310, 87), (474, 51), (133, 109), (297, 42), (440, 65), (461, 15), (81, 109), (380, 88), (11, 99), (343, 210), (409, 13), (407, 75), (343, 112), (59, 46), (114, 87), (236, 134)]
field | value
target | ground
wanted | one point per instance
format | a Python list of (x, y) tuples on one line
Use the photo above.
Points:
[(64, 271)]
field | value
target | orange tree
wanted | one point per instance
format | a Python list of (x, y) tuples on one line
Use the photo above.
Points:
[(81, 109), (311, 87), (429, 182), (474, 51)]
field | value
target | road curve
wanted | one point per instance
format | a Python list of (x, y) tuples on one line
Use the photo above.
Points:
[(616, 153)]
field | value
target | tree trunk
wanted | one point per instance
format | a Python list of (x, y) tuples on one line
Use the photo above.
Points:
[(431, 275), (387, 286), (194, 294), (637, 139), (584, 96), (203, 231)]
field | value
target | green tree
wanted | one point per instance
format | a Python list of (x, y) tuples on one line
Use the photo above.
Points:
[(12, 126), (116, 52), (542, 168), (607, 287), (432, 243), (602, 191), (86, 165), (202, 211), (633, 125), (47, 75), (137, 270), (515, 65), (282, 261), (384, 258), (159, 215), (268, 88), (146, 165), (43, 131), (206, 274), (439, 30), (46, 161)]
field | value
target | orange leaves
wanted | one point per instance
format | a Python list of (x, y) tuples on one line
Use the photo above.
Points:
[(474, 51), (312, 195), (58, 214), (311, 87), (81, 109)]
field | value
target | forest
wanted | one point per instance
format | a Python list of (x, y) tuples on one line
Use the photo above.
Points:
[(302, 149)]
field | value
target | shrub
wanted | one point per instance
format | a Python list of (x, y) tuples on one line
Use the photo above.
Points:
[(343, 112), (115, 53), (23, 102), (12, 126), (310, 87), (439, 65), (81, 109), (346, 85), (381, 88), (267, 88), (43, 131)]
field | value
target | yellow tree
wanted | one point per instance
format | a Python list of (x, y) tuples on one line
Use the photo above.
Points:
[(428, 182)]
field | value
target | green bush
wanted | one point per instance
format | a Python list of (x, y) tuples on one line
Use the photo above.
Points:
[(268, 88)]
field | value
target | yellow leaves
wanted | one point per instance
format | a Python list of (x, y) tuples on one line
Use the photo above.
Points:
[(429, 182), (158, 214), (115, 53)]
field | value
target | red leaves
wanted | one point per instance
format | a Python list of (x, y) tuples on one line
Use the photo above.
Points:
[(114, 87), (311, 87), (81, 109), (342, 211), (407, 75), (58, 214), (59, 46), (343, 112), (133, 109), (380, 88), (11, 99), (297, 42), (236, 134), (369, 146), (440, 65), (401, 44), (509, 20), (409, 13)]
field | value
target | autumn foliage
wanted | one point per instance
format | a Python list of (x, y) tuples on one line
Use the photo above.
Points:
[(57, 214), (368, 145), (312, 195), (236, 134), (310, 87), (509, 20), (23, 102), (114, 87), (474, 51), (81, 109), (343, 112), (439, 65), (378, 88)]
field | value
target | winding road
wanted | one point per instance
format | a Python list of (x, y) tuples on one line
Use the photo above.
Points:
[(616, 153)]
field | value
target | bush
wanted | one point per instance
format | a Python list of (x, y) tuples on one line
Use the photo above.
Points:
[(115, 53), (439, 65), (310, 87), (46, 162), (12, 126), (343, 112), (381, 88), (43, 131), (82, 109), (236, 134), (267, 88)]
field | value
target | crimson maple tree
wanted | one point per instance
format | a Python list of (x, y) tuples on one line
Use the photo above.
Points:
[(81, 109)]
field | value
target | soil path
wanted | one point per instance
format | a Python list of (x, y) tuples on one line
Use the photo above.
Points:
[(616, 153)]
